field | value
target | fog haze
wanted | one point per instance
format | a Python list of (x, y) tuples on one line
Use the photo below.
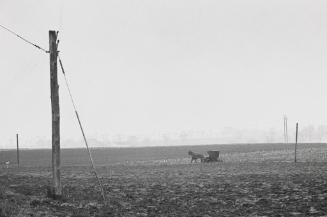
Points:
[(160, 70)]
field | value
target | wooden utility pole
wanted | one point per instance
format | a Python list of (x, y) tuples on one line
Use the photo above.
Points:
[(57, 188), (296, 133), (17, 149)]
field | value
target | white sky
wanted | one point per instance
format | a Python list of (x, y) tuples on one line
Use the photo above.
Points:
[(170, 65)]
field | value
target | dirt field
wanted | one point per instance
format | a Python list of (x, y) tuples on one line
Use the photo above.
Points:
[(260, 182)]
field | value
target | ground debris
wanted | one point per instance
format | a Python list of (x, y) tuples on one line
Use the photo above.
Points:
[(248, 189)]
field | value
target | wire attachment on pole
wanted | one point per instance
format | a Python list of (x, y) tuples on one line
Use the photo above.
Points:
[(82, 130)]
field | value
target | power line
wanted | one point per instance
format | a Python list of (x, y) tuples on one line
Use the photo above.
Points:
[(82, 130), (24, 39)]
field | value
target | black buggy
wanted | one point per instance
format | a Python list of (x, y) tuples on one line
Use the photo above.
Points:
[(213, 156)]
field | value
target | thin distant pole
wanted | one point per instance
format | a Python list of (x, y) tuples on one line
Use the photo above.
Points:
[(296, 135), (17, 142), (286, 130)]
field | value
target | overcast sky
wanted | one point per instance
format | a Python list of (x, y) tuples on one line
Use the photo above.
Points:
[(150, 66)]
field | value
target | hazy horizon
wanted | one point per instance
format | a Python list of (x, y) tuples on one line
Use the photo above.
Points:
[(152, 68), (307, 134)]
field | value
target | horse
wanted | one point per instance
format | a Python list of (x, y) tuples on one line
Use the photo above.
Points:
[(196, 156)]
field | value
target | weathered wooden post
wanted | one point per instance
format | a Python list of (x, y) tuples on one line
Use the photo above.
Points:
[(296, 133), (57, 188), (17, 149)]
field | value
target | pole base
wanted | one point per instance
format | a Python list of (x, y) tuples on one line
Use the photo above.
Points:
[(51, 193)]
